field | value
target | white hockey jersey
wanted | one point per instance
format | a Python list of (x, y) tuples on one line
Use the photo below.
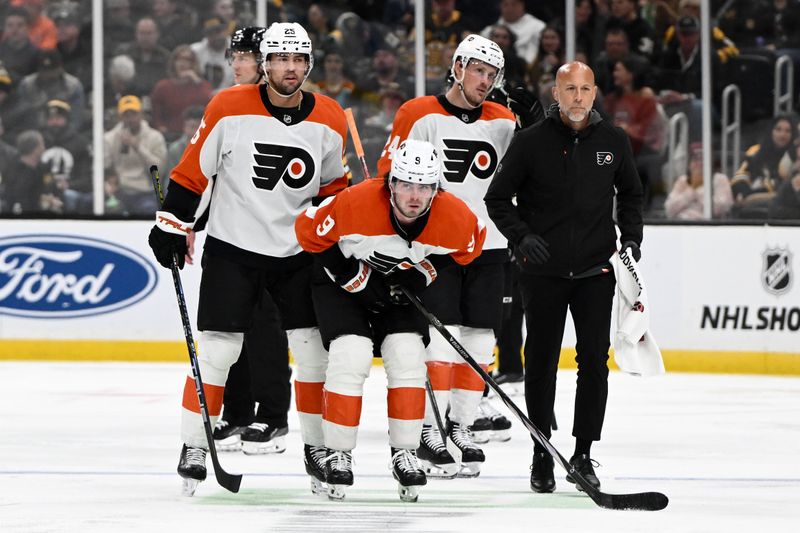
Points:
[(266, 164), (470, 144)]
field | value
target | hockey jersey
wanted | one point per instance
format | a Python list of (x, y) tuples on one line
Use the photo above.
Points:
[(470, 144), (358, 221), (266, 164)]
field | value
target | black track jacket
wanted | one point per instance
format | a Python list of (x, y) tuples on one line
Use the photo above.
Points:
[(564, 182)]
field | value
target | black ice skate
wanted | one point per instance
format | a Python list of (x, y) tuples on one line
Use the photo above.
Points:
[(471, 456), (261, 438), (338, 473), (314, 458), (585, 467), (192, 468), (500, 425), (408, 472), (481, 429), (436, 461), (227, 437), (512, 384)]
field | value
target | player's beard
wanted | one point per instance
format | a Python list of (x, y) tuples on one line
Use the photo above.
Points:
[(286, 88)]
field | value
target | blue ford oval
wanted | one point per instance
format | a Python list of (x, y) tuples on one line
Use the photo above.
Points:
[(64, 276)]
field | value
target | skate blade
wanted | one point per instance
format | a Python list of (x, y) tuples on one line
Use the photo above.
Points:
[(481, 437), (469, 470), (502, 435), (408, 494), (447, 471), (276, 445), (318, 488), (231, 444), (189, 486), (336, 492)]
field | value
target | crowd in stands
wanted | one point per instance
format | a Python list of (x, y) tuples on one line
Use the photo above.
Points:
[(164, 60)]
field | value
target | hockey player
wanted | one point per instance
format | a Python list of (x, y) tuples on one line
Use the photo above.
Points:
[(262, 374), (368, 240), (269, 150), (472, 136)]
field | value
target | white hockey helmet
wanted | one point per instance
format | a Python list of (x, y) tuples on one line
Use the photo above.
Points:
[(287, 38), (416, 162), (476, 47)]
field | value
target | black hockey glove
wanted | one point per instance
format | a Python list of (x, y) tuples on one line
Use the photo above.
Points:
[(634, 250), (168, 239), (414, 279), (534, 249), (358, 278), (526, 106)]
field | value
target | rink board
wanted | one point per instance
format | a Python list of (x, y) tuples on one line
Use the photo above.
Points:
[(722, 299)]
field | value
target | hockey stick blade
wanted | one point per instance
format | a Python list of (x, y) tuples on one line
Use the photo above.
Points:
[(645, 501), (226, 480)]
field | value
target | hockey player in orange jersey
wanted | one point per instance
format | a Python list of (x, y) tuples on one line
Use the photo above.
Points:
[(367, 241), (261, 154), (471, 135)]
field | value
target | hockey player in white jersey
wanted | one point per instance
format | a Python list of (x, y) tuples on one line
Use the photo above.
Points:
[(269, 150), (367, 240), (472, 135)]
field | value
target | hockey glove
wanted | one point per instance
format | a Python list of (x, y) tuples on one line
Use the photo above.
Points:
[(414, 279), (168, 239), (526, 106), (635, 252), (359, 280), (534, 249)]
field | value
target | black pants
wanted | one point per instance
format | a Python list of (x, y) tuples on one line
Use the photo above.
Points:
[(262, 374), (546, 300), (509, 338)]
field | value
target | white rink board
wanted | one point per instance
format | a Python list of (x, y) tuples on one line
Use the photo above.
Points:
[(685, 268)]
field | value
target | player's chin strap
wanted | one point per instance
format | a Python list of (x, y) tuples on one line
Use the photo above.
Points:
[(460, 83)]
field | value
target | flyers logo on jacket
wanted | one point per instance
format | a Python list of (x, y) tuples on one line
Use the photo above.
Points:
[(275, 163), (468, 156)]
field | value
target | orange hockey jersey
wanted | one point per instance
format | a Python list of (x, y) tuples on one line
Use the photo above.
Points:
[(266, 164), (358, 221), (470, 143)]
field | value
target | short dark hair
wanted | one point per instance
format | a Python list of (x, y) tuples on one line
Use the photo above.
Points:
[(28, 141)]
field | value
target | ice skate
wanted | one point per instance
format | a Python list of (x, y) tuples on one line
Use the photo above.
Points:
[(472, 456), (500, 425), (192, 468), (261, 438), (513, 384), (314, 458), (481, 429), (408, 472), (338, 473), (227, 437), (436, 461)]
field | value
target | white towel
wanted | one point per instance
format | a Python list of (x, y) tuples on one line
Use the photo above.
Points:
[(635, 349)]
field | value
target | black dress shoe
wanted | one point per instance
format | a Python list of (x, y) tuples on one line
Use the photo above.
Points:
[(542, 479), (584, 465)]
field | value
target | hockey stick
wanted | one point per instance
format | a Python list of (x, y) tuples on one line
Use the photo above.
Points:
[(453, 450), (226, 480), (643, 501)]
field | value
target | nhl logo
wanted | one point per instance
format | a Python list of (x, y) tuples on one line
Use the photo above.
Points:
[(287, 119), (776, 272), (465, 117)]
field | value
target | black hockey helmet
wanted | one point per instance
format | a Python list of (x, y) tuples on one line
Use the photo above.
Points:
[(246, 40)]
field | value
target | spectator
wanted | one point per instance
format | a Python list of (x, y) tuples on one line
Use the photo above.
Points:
[(42, 30), (616, 48), (786, 204), (16, 50), (515, 67), (74, 46), (25, 189), (686, 200), (13, 112), (210, 53), (50, 82), (334, 82), (319, 30), (113, 204), (68, 158), (8, 154), (641, 36), (121, 80), (633, 106), (117, 26), (192, 117), (225, 11), (386, 70), (723, 46), (184, 87), (766, 167), (391, 98), (590, 27), (131, 147), (549, 57), (176, 23), (149, 57), (525, 26)]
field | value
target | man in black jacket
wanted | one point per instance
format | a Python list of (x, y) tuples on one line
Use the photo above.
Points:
[(564, 172)]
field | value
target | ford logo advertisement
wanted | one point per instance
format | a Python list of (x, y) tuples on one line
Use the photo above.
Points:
[(62, 276)]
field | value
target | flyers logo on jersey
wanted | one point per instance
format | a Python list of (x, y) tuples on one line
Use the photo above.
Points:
[(468, 156), (274, 162)]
